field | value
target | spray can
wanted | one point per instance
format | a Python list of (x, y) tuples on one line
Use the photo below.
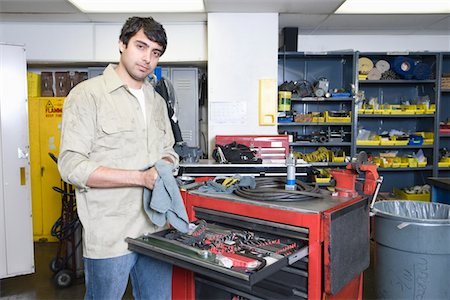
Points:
[(291, 162), (284, 101)]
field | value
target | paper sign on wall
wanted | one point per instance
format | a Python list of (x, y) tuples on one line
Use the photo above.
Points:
[(232, 113)]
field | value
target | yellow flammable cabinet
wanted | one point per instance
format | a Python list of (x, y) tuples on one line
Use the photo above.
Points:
[(45, 114)]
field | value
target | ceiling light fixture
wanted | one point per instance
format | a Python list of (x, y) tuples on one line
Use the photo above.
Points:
[(394, 7), (139, 6)]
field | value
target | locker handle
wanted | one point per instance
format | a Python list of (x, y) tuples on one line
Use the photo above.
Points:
[(22, 176), (42, 171)]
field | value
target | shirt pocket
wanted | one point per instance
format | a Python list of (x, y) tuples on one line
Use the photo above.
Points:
[(117, 137), (157, 137), (113, 126)]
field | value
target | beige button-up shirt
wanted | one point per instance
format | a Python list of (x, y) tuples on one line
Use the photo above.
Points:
[(103, 125)]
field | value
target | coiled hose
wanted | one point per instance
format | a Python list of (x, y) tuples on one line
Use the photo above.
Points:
[(272, 189), (64, 230), (68, 223)]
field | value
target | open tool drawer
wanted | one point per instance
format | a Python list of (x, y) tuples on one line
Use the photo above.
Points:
[(256, 248)]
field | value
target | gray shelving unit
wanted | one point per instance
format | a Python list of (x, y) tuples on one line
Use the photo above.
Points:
[(396, 91), (444, 113), (339, 69)]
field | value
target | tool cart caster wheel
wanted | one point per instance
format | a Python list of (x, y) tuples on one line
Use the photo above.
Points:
[(63, 278), (56, 264)]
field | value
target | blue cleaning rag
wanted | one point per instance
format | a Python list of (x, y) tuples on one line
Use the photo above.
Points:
[(164, 203)]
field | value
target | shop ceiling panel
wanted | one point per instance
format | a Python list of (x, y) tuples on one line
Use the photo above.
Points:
[(443, 24), (380, 22), (41, 6), (305, 22), (282, 6), (160, 17)]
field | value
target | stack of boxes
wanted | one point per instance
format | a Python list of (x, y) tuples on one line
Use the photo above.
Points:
[(53, 84)]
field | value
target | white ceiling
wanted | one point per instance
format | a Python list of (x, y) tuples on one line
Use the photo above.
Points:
[(310, 16)]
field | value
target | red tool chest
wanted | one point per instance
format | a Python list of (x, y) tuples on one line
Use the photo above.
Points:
[(335, 232), (265, 146)]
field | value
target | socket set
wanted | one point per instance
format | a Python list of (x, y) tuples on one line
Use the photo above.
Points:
[(235, 249)]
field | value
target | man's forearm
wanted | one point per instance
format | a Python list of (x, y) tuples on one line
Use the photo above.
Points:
[(104, 177)]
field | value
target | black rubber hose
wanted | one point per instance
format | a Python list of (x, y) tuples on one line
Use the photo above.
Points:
[(272, 189), (63, 230)]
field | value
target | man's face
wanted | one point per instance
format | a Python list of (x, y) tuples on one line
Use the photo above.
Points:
[(141, 56)]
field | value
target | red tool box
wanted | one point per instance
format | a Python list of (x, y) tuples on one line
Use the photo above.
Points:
[(444, 129), (265, 146), (335, 232)]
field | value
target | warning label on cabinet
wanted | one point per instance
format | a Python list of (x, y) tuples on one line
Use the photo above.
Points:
[(54, 108)]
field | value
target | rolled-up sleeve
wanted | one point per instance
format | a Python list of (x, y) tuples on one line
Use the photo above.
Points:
[(77, 134)]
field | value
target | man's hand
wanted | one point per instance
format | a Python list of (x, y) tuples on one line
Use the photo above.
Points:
[(169, 159), (150, 177)]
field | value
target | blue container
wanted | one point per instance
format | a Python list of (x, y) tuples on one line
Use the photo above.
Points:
[(158, 72), (285, 119), (415, 140)]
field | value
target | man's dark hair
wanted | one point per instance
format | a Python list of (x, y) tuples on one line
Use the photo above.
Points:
[(152, 29)]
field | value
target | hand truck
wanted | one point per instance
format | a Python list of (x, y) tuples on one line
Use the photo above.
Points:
[(67, 264)]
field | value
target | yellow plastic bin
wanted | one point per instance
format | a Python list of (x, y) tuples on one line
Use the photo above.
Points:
[(375, 142), (428, 137), (401, 194)]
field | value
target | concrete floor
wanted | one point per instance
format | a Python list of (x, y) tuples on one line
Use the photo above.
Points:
[(40, 284)]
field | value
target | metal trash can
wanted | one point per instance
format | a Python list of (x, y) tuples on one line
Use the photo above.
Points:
[(412, 259)]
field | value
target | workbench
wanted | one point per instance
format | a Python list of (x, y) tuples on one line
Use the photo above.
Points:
[(336, 231), (440, 189), (209, 167)]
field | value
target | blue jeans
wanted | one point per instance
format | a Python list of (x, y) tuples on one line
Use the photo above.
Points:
[(108, 278)]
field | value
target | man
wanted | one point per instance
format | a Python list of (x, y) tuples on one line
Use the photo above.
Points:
[(114, 127)]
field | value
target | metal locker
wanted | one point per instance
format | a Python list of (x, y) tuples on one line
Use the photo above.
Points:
[(185, 82), (16, 240)]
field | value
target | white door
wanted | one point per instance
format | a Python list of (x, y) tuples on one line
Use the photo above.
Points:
[(16, 234)]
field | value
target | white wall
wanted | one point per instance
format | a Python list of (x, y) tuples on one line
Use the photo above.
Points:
[(242, 48), (91, 42), (373, 43)]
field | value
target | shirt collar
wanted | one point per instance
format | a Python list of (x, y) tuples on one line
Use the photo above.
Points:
[(113, 81)]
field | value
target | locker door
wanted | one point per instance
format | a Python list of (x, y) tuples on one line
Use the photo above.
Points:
[(16, 241), (185, 82)]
